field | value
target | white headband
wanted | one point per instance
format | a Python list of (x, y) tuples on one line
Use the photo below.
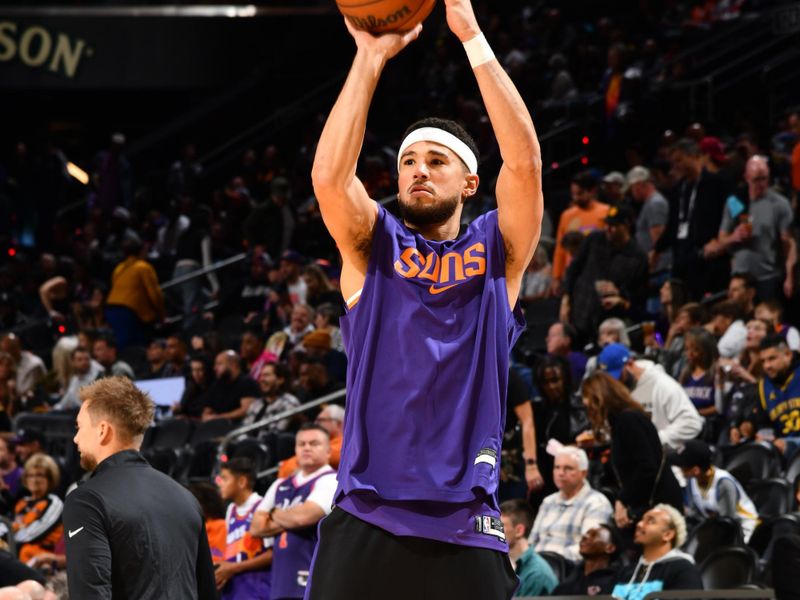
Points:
[(440, 136)]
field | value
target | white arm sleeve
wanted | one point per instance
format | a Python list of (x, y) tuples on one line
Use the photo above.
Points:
[(323, 493)]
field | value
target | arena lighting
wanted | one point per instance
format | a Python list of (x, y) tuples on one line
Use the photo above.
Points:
[(584, 160), (62, 329), (585, 140), (554, 166), (12, 252), (78, 173)]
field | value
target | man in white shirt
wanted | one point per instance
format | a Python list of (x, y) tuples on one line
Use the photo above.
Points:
[(84, 371), (291, 509), (30, 368), (574, 509), (728, 326)]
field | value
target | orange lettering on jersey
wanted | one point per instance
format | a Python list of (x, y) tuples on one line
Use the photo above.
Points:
[(475, 265), (283, 542), (457, 262), (432, 267), (406, 266)]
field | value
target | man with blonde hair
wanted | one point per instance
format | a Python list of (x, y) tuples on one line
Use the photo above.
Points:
[(660, 532), (131, 531)]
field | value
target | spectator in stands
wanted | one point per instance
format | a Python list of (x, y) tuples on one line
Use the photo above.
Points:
[(272, 223), (197, 386), (9, 398), (274, 398), (747, 367), (10, 476), (757, 232), (290, 267), (699, 377), (253, 354), (84, 371), (537, 277), (672, 357), (653, 214), (594, 575), (585, 215), (561, 336), (772, 311), (314, 381), (331, 419), (536, 578), (663, 398), (232, 391), (637, 455), (608, 277), (564, 517), (30, 368), (300, 324), (711, 491), (319, 288), (213, 508), (742, 291), (244, 573), (192, 252), (291, 510), (694, 221), (105, 353), (779, 392), (317, 347), (611, 331), (326, 319), (135, 302), (662, 566), (176, 354), (28, 442), (612, 188), (156, 360), (37, 517), (728, 326)]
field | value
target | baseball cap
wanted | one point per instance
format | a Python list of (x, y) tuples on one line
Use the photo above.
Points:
[(619, 215), (695, 453), (714, 147), (638, 174), (293, 256), (26, 436), (615, 177), (613, 358)]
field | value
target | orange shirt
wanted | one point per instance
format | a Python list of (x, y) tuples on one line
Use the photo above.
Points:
[(217, 538), (134, 284), (289, 466), (580, 219)]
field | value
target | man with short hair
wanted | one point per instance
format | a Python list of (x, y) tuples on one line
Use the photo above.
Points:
[(232, 391), (84, 371), (712, 491), (565, 516), (594, 575), (175, 352), (301, 323), (536, 578), (275, 398), (660, 532), (131, 531), (291, 509), (653, 214), (663, 398), (30, 368), (156, 360), (290, 271), (105, 353), (728, 326), (331, 419), (245, 571), (742, 291), (252, 351), (757, 232), (560, 338)]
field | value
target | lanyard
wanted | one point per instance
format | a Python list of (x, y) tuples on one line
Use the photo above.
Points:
[(686, 215)]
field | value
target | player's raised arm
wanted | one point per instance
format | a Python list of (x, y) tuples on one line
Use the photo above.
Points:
[(347, 210), (519, 184)]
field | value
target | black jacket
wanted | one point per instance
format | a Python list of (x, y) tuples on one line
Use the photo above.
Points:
[(134, 533)]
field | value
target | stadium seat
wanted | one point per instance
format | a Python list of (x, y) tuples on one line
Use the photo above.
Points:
[(766, 533), (253, 449), (753, 461), (729, 567), (211, 430), (135, 356), (793, 469), (772, 497), (171, 433), (201, 459), (165, 460), (711, 534), (785, 569), (284, 446), (560, 565)]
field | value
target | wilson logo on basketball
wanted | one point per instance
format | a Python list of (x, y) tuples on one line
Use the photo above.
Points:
[(371, 22), (445, 272)]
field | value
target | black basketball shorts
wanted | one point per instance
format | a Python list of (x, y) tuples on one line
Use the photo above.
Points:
[(358, 561)]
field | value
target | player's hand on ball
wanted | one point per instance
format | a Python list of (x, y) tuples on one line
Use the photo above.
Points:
[(461, 19), (386, 44)]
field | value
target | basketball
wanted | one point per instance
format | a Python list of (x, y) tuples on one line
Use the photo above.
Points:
[(382, 16)]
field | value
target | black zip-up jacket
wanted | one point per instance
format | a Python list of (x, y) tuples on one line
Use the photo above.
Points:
[(133, 533)]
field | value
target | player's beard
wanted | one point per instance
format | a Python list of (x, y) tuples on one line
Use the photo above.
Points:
[(432, 214), (88, 462)]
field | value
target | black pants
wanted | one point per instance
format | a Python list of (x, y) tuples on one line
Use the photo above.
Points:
[(358, 561)]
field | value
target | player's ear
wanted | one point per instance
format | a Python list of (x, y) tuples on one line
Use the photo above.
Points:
[(471, 188)]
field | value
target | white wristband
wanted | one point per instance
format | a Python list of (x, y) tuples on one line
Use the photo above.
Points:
[(478, 51)]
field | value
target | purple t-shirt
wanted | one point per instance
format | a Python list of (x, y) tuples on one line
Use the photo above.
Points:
[(428, 346), (13, 480)]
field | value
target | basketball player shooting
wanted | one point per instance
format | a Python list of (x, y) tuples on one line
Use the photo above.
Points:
[(432, 316)]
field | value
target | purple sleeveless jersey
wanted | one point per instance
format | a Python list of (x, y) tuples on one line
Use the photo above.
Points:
[(428, 346), (242, 546), (293, 549)]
